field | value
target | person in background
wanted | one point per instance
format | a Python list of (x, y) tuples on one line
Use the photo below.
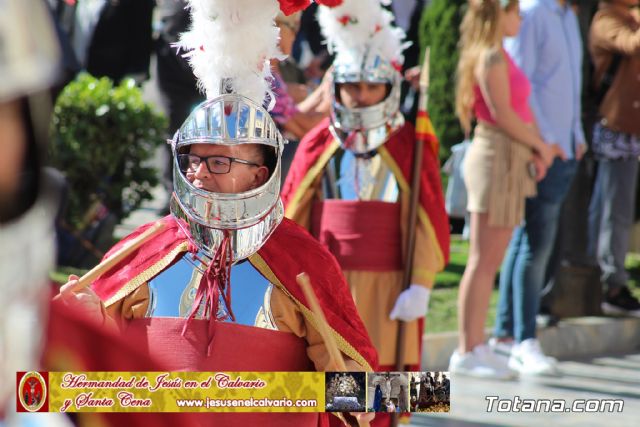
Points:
[(377, 399), (296, 110), (615, 37), (310, 37), (407, 15), (548, 49), (403, 405), (500, 169), (296, 116), (36, 335), (30, 63), (348, 181), (446, 383), (110, 38)]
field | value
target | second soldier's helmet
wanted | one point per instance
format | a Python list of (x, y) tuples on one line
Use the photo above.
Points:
[(367, 49)]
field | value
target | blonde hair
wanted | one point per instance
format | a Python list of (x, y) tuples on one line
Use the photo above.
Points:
[(480, 32)]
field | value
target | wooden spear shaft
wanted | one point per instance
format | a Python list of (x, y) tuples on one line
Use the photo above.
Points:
[(118, 256), (413, 218)]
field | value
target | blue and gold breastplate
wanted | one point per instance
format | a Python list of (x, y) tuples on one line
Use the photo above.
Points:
[(172, 294)]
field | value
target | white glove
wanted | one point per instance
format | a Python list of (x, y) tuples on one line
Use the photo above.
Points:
[(411, 304)]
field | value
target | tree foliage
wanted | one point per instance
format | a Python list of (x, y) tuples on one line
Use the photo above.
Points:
[(439, 29), (102, 140)]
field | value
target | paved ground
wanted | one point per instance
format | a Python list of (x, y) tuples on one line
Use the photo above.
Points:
[(611, 377)]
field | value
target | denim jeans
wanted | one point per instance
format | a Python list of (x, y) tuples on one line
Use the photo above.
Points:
[(525, 264), (611, 217)]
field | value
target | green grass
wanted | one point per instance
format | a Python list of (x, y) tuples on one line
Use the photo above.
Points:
[(443, 307), (632, 264)]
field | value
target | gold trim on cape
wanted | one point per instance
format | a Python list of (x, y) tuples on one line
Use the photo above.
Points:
[(422, 214), (147, 274), (311, 175), (259, 263)]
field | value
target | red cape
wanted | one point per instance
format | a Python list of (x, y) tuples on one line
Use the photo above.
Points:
[(74, 343), (289, 251), (400, 146)]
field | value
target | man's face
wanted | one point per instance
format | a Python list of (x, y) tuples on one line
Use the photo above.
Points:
[(361, 94), (240, 178)]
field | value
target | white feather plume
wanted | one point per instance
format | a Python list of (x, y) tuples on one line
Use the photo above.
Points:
[(357, 25), (232, 39)]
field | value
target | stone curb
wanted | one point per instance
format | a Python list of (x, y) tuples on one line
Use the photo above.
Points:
[(572, 338)]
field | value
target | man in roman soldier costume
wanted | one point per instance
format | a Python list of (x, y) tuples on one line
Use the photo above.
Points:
[(348, 183), (216, 289)]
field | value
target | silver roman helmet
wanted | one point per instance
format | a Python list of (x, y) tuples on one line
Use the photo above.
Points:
[(367, 50), (235, 75), (249, 217), (364, 129)]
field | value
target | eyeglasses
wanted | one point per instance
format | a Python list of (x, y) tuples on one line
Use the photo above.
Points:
[(215, 164)]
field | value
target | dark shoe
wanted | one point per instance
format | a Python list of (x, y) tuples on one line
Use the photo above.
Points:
[(622, 304)]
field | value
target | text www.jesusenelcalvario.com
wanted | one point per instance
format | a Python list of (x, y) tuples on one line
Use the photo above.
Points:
[(246, 403), (494, 403)]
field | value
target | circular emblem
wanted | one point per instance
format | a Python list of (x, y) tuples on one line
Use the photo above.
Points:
[(32, 391)]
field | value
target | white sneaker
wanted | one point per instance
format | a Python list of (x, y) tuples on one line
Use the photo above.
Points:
[(480, 362), (528, 359), (502, 349)]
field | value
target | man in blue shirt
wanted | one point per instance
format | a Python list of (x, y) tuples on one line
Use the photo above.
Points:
[(549, 51)]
